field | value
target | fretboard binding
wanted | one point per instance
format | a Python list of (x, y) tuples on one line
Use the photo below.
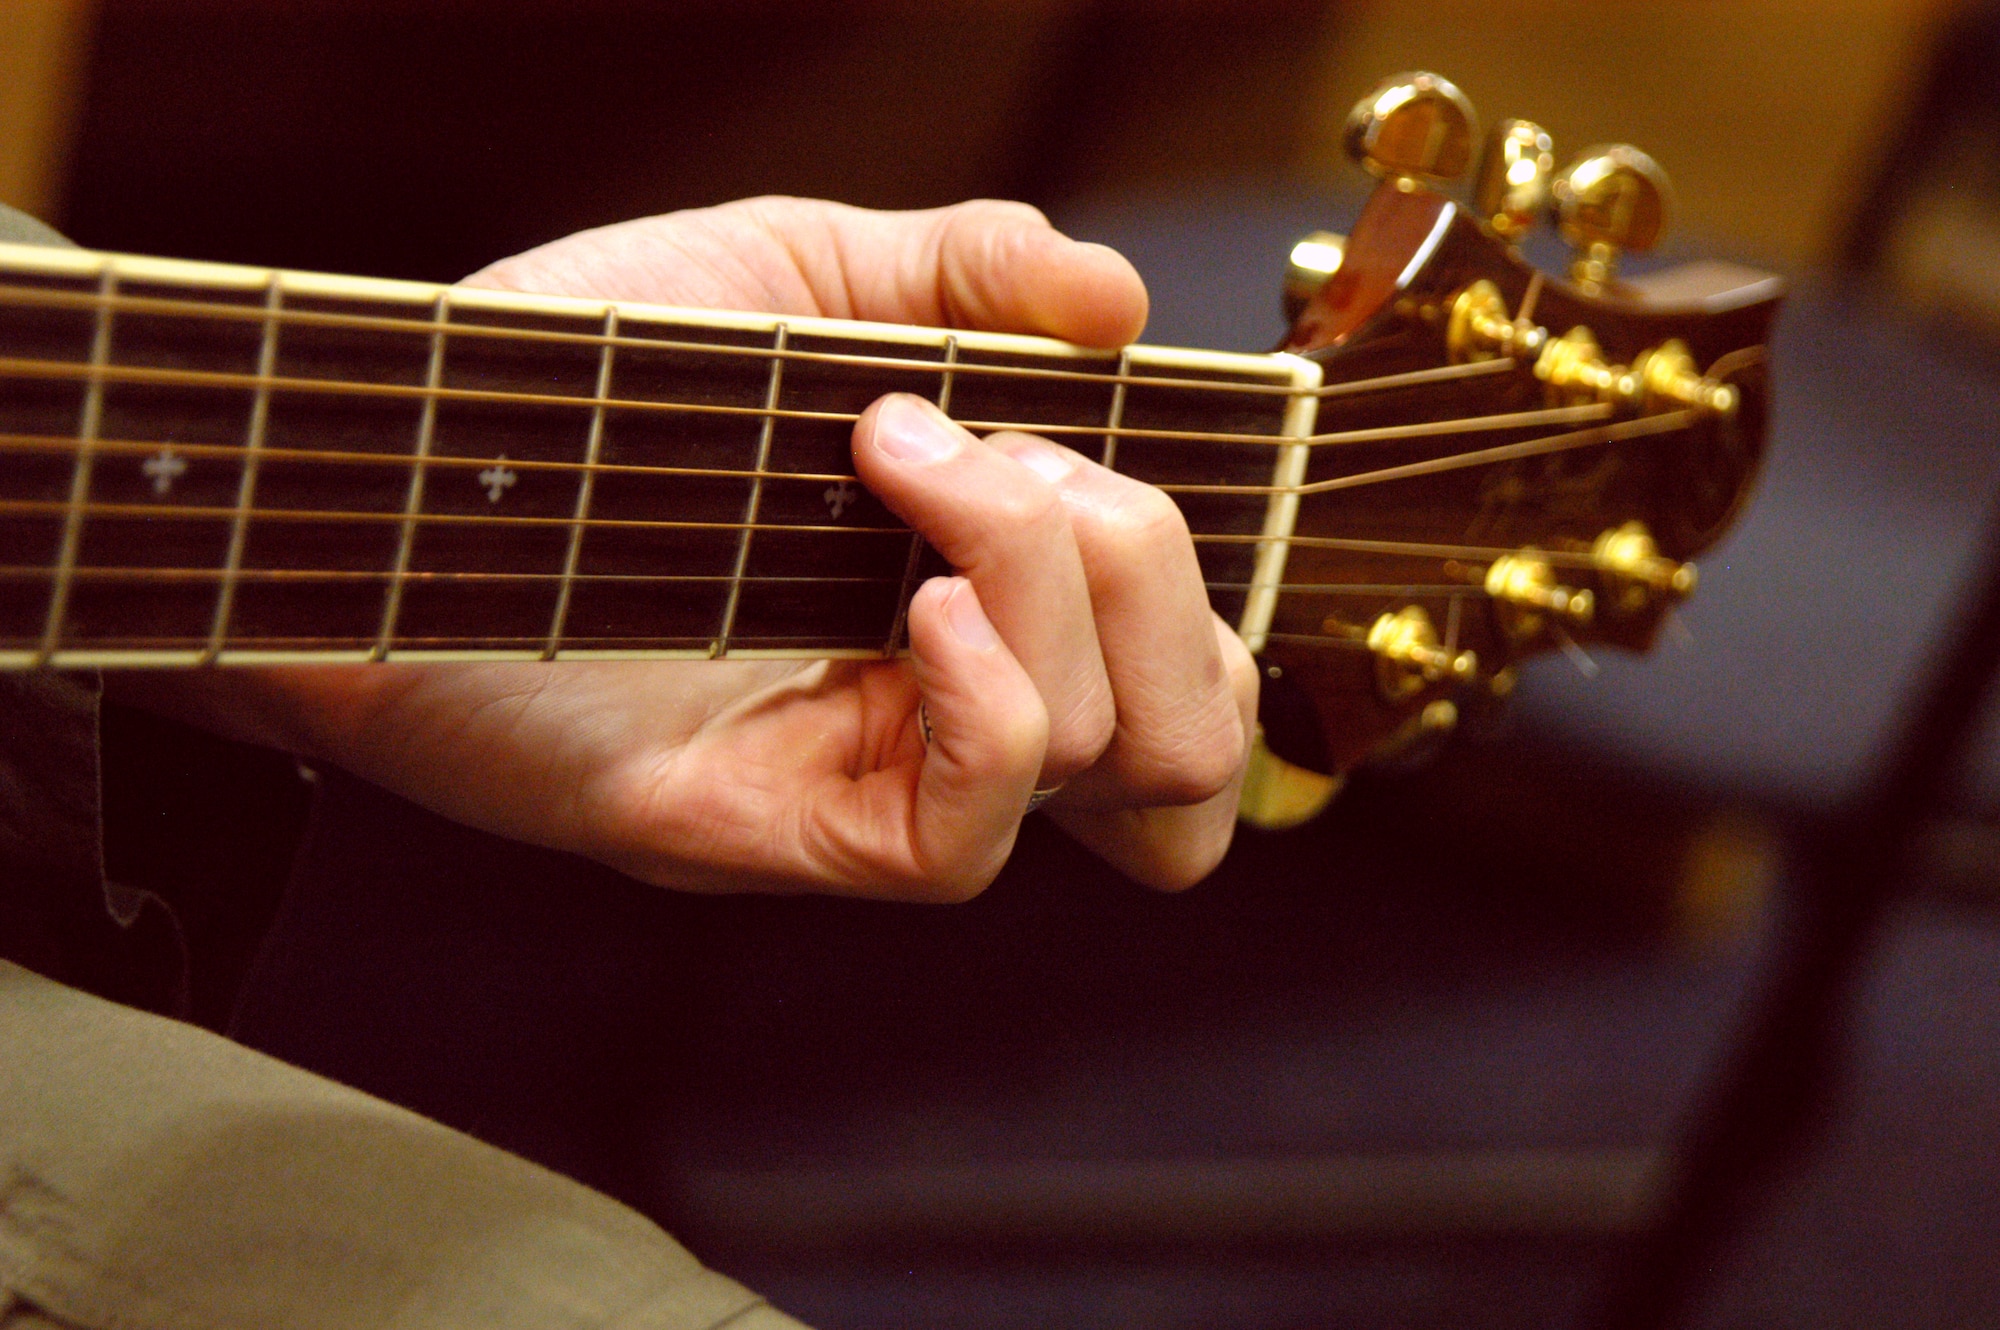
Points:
[(88, 417), (593, 445), (413, 502), (246, 489), (432, 393), (159, 305)]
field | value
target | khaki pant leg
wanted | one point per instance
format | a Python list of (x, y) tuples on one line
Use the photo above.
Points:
[(156, 1177)]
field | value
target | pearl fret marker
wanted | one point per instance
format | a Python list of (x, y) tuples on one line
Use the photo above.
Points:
[(496, 479), (838, 498), (164, 468)]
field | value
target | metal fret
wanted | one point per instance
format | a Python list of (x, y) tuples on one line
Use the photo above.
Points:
[(79, 489), (593, 446), (413, 502), (1117, 416), (764, 435), (246, 490), (899, 630)]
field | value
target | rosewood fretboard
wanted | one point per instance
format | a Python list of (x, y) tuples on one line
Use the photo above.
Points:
[(207, 463)]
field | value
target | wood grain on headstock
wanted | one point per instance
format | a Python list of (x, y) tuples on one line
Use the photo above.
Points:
[(1549, 487)]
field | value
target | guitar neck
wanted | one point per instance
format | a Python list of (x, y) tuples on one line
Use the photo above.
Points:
[(212, 464)]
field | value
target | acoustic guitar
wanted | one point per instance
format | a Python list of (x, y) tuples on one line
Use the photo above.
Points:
[(1453, 461)]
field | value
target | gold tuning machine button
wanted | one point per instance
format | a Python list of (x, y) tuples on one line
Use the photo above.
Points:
[(1409, 658), (1635, 574), (1511, 191), (1611, 200), (1524, 589), (1412, 128), (1313, 262)]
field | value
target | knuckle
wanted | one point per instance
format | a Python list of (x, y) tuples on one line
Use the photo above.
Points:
[(1080, 738), (1189, 861), (1143, 519), (951, 888), (1193, 766), (1246, 681)]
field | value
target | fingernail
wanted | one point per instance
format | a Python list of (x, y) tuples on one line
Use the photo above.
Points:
[(1044, 459), (968, 620), (910, 429)]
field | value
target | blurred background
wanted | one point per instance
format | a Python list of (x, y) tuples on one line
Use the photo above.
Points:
[(1434, 1059)]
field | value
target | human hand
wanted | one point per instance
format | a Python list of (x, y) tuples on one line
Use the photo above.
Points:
[(1075, 647)]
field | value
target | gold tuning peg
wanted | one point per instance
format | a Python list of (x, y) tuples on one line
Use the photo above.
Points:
[(1610, 200), (1409, 658), (1414, 127), (1511, 191), (1314, 260)]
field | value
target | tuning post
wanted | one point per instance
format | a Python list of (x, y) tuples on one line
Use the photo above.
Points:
[(1414, 128), (1525, 591), (1636, 574), (1409, 658), (1612, 200), (1479, 328), (1511, 191), (1312, 263), (1659, 380)]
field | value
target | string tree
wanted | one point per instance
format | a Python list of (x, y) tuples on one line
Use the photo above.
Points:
[(1413, 129), (1516, 170), (1612, 200)]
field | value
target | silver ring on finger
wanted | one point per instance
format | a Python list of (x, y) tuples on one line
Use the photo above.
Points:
[(1040, 797)]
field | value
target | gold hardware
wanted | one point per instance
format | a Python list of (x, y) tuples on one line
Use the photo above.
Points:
[(1314, 260), (1524, 590), (1439, 717), (1511, 191), (1413, 127), (1669, 381), (1573, 365), (1276, 794), (1636, 573), (1479, 328), (1660, 380), (1576, 371), (1409, 659), (1611, 200)]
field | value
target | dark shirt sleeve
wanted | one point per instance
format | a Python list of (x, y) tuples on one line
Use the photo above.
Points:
[(55, 909)]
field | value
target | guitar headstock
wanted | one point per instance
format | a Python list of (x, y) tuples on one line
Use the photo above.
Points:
[(1506, 461)]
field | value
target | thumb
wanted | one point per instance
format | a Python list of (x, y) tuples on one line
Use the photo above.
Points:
[(988, 733)]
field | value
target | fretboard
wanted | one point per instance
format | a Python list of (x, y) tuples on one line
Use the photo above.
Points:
[(212, 464)]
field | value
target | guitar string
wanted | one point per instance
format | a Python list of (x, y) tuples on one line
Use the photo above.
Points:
[(1547, 444), (443, 577), (33, 297), (65, 444), (59, 371), (1409, 379), (805, 646)]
